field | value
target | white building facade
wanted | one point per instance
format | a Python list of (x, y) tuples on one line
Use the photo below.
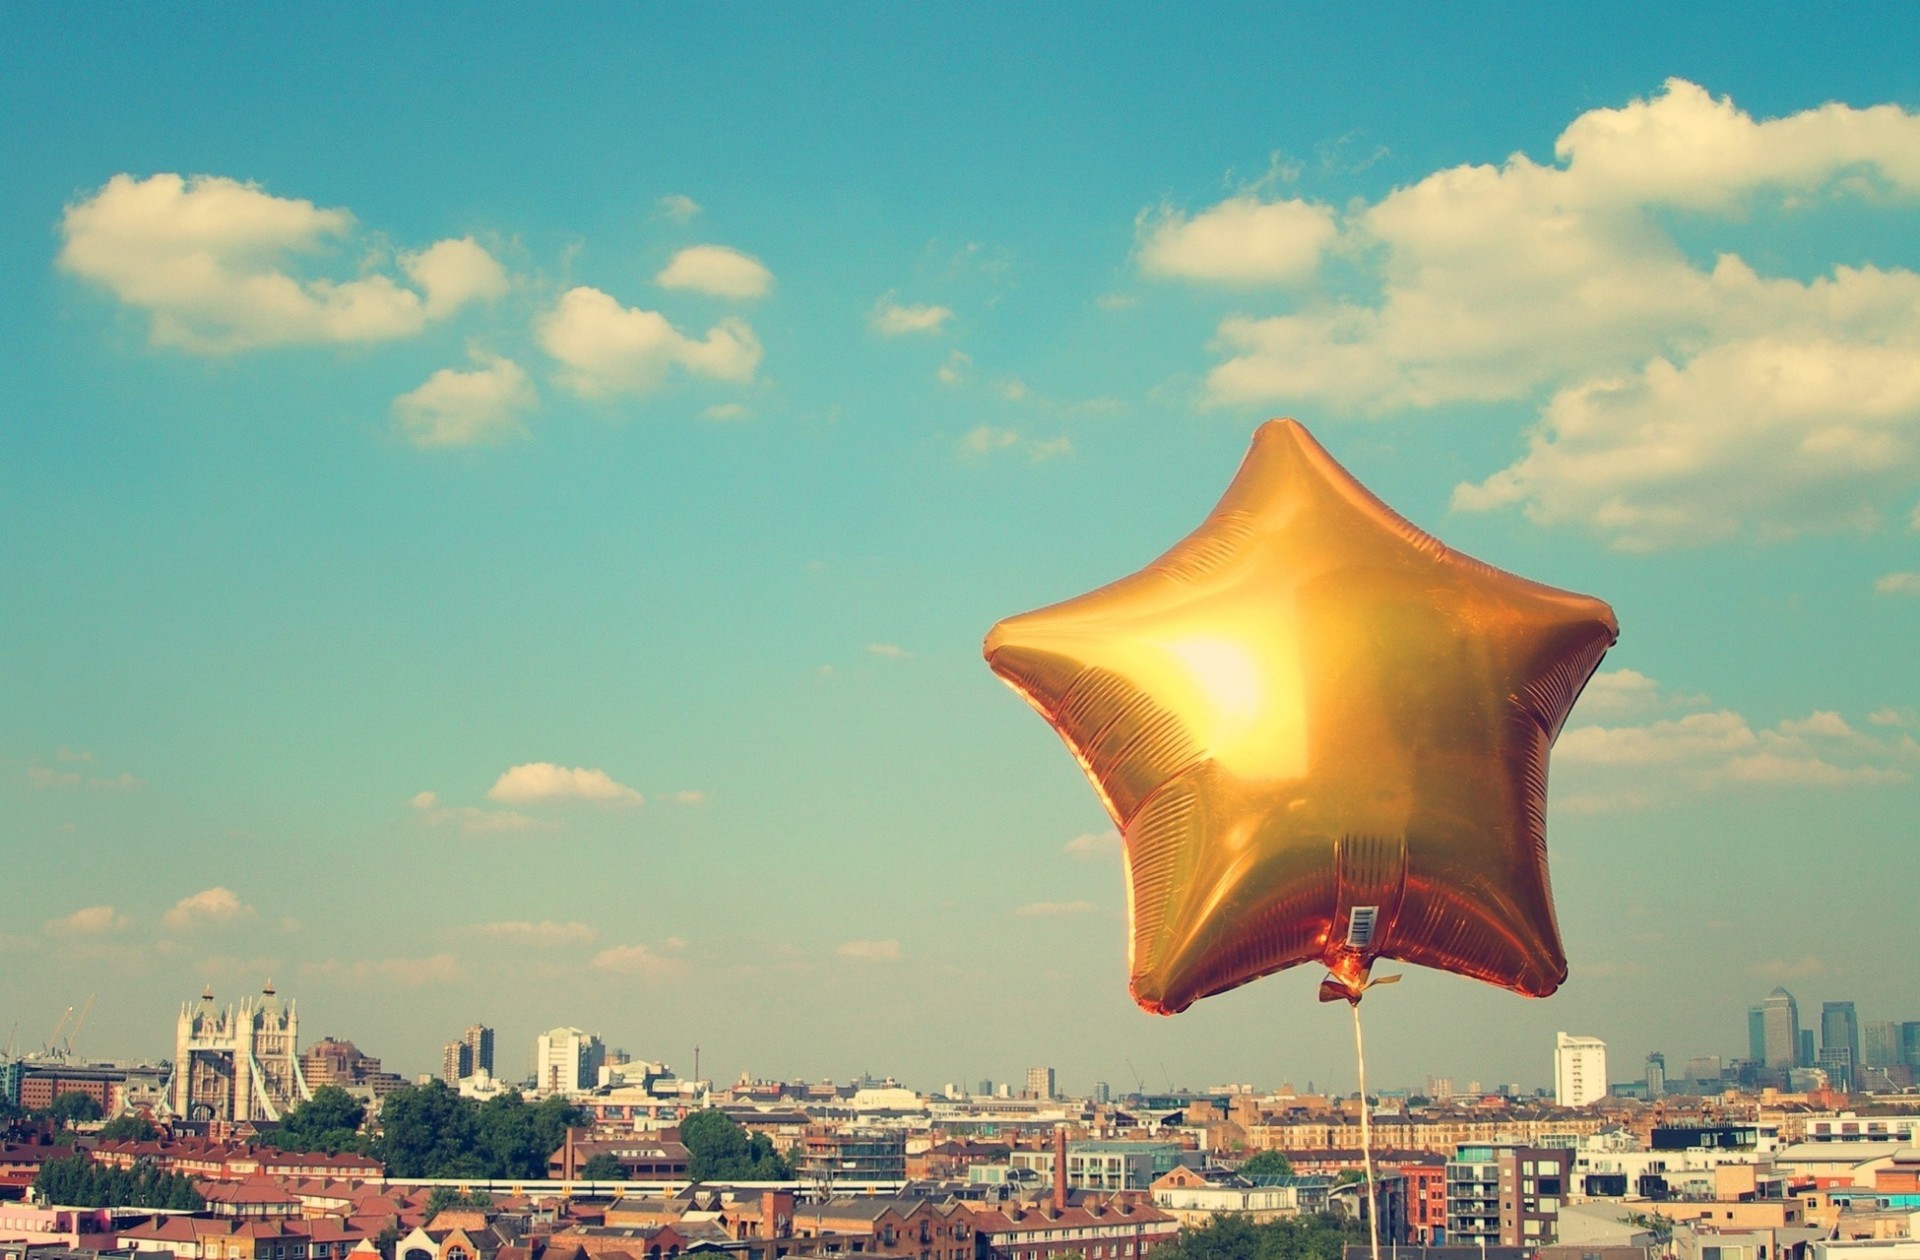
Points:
[(1579, 1070)]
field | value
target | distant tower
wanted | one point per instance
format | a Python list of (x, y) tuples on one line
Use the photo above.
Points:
[(237, 1064), (1040, 1083), (1840, 1029), (1579, 1070), (1780, 1029), (1102, 1093), (1656, 1075), (479, 1042)]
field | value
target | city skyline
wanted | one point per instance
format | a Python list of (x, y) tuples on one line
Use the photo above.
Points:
[(500, 512)]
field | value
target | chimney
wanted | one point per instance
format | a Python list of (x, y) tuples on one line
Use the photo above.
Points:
[(1060, 1168)]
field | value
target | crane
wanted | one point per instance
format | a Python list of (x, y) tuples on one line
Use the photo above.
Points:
[(78, 1024)]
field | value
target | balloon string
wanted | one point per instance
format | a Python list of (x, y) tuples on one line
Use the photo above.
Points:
[(1366, 1133)]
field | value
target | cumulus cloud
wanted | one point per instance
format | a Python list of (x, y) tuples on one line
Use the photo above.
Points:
[(870, 951), (890, 319), (472, 820), (718, 270), (454, 273), (636, 960), (545, 934), (1242, 240), (723, 412), (47, 777), (957, 368), (605, 348), (213, 905), (1054, 909), (545, 781), (1685, 401), (678, 206), (987, 440), (1780, 969), (455, 408), (1094, 844), (1631, 766), (91, 921), (210, 260), (692, 796), (893, 651), (1897, 584)]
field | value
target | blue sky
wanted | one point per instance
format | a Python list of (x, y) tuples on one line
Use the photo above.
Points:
[(501, 509)]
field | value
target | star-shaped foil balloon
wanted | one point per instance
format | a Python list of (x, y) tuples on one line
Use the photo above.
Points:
[(1323, 735)]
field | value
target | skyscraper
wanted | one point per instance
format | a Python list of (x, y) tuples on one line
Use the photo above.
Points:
[(1840, 1028), (1780, 1030), (567, 1061), (1757, 1033), (1579, 1070), (479, 1041), (1656, 1075), (1040, 1082)]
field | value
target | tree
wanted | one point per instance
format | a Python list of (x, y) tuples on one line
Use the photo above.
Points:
[(1268, 1164), (76, 1181), (329, 1121), (446, 1198), (128, 1128), (424, 1130), (1322, 1237), (603, 1167), (73, 1107), (718, 1149)]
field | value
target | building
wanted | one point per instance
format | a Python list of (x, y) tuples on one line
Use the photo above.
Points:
[(237, 1064), (918, 1228), (115, 1088), (567, 1061), (1040, 1083), (829, 1155), (1656, 1075), (1097, 1231), (334, 1062), (1579, 1070), (469, 1056), (1840, 1030), (1779, 1028), (1507, 1196)]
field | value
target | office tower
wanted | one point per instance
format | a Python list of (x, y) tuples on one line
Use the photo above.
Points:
[(567, 1061), (1656, 1075), (1780, 1030), (1805, 1056), (1579, 1070), (1757, 1033), (1840, 1027), (479, 1039), (1881, 1044), (1040, 1082), (1102, 1094)]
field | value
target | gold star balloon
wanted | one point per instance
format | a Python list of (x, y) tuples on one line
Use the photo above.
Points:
[(1323, 735)]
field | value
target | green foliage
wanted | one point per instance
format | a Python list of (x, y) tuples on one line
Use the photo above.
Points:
[(329, 1122), (430, 1131), (73, 1107), (1268, 1164), (128, 1129), (76, 1181), (446, 1197), (603, 1167), (718, 1149), (1321, 1237)]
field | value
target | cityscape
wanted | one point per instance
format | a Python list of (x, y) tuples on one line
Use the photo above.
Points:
[(1071, 631)]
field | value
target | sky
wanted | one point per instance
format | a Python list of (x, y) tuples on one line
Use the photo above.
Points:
[(499, 508)]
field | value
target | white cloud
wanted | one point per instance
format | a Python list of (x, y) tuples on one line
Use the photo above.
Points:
[(1054, 909), (46, 777), (717, 270), (957, 368), (92, 921), (471, 820), (636, 960), (890, 319), (870, 951), (455, 408), (545, 934), (1688, 401), (1888, 715), (1897, 584), (723, 412), (678, 206), (208, 259), (1242, 240), (424, 800), (454, 273), (605, 348), (545, 781), (1095, 845), (214, 905), (892, 651), (987, 440), (692, 796), (1624, 767), (1618, 691)]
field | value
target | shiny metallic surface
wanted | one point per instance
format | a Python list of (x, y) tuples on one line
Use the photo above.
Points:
[(1310, 706)]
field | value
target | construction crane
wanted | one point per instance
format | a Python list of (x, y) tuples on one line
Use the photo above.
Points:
[(50, 1047), (78, 1024)]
